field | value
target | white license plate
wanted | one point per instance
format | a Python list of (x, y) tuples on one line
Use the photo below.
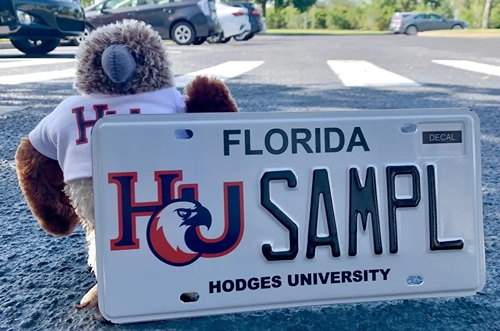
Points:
[(262, 211)]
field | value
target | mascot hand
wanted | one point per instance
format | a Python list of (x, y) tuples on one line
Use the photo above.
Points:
[(208, 95), (41, 181)]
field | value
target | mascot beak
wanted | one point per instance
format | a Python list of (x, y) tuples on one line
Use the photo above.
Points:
[(118, 64)]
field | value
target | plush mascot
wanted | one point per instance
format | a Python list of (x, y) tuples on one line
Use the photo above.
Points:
[(122, 68)]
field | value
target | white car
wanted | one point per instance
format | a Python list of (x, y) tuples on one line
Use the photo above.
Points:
[(234, 21)]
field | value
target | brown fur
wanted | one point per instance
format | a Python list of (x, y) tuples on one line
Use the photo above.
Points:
[(154, 74), (41, 181), (208, 95)]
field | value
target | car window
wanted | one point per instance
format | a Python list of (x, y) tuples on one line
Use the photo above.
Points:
[(421, 17), (115, 4), (435, 17)]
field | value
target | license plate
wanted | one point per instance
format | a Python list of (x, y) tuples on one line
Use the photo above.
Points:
[(259, 211)]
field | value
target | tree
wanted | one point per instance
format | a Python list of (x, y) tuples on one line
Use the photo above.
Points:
[(303, 5), (486, 14), (407, 5), (262, 4)]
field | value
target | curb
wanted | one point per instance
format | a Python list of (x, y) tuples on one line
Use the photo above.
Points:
[(460, 35)]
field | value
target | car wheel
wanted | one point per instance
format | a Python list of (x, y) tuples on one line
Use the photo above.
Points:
[(35, 47), (183, 34), (215, 39), (225, 40), (456, 27), (411, 30), (78, 40), (199, 41), (241, 37)]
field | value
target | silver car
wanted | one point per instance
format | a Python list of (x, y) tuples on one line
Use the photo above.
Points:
[(412, 22)]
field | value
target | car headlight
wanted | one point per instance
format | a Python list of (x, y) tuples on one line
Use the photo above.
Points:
[(24, 18)]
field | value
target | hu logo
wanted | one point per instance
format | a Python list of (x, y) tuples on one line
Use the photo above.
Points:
[(173, 231)]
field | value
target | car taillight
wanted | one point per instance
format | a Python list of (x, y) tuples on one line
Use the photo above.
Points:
[(238, 14), (255, 12)]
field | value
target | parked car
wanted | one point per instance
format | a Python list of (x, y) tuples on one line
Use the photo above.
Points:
[(256, 20), (234, 21), (183, 21), (36, 27), (412, 22)]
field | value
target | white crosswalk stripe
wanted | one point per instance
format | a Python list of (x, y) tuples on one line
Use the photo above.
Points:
[(361, 73), (37, 77), (37, 62), (351, 73), (482, 68), (222, 71)]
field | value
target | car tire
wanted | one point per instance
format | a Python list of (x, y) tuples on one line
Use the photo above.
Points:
[(78, 40), (200, 41), (457, 27), (411, 30), (243, 36), (30, 47), (215, 39), (183, 33), (225, 40)]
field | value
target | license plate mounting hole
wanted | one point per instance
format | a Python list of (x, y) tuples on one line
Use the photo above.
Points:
[(190, 297), (414, 280), (408, 128), (183, 134)]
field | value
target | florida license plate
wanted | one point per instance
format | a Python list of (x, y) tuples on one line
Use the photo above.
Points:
[(258, 211)]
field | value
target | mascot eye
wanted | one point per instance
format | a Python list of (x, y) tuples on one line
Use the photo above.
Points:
[(183, 213), (139, 58), (98, 60)]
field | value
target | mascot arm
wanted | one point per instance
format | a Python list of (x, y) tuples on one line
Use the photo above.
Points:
[(208, 95), (42, 184)]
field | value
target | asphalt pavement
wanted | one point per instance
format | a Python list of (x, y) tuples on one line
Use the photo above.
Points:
[(42, 277)]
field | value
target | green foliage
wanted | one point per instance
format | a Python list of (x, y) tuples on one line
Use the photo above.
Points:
[(303, 5), (371, 14), (86, 3)]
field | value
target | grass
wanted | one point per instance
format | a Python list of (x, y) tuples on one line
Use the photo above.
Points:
[(323, 32)]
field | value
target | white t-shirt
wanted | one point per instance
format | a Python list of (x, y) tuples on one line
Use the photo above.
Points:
[(64, 134)]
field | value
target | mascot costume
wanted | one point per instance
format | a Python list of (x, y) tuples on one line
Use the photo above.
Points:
[(122, 68)]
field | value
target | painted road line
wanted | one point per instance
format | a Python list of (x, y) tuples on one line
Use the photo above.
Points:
[(38, 62), (8, 109), (37, 77), (483, 68), (365, 74), (223, 71)]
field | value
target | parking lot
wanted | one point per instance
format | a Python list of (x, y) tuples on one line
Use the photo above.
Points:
[(42, 277)]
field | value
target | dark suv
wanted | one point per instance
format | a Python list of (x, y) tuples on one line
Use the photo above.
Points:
[(36, 27), (254, 15), (183, 21)]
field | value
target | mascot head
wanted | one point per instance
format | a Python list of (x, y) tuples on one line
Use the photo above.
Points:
[(126, 57)]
